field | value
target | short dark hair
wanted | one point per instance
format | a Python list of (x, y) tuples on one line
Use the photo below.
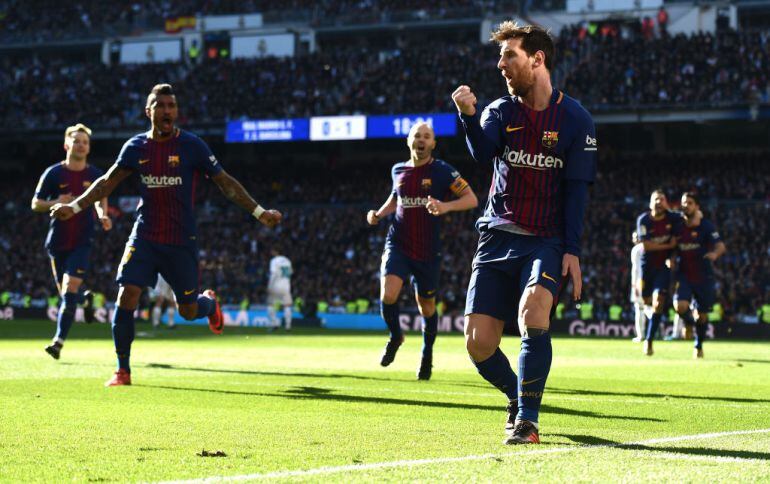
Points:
[(533, 38), (159, 89), (693, 196), (658, 190)]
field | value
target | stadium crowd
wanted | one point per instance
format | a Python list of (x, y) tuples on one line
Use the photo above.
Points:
[(336, 256), (603, 70), (45, 20)]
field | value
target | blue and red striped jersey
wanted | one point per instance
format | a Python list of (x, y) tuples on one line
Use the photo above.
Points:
[(693, 242), (533, 153), (415, 231), (65, 235), (658, 230), (168, 174)]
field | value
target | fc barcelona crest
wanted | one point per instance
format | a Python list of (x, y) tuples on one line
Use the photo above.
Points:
[(173, 161), (426, 183), (550, 138)]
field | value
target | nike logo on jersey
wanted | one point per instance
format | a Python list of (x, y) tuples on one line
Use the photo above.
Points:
[(511, 129), (524, 382), (187, 293), (548, 277), (142, 162)]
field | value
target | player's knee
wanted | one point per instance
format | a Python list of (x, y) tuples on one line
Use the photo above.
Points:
[(128, 297), (682, 307), (389, 297), (535, 309), (427, 306), (188, 311), (481, 347)]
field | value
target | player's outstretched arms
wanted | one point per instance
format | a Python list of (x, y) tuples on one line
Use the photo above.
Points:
[(465, 100), (234, 191), (373, 216), (99, 190)]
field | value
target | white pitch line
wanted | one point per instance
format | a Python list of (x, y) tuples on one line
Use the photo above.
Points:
[(710, 458), (467, 458)]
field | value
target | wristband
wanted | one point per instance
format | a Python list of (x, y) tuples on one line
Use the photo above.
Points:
[(75, 207), (258, 212)]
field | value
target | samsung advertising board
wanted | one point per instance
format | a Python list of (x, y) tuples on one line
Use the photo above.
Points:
[(259, 130)]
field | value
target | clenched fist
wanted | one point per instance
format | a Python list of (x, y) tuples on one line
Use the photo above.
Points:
[(465, 100), (271, 218)]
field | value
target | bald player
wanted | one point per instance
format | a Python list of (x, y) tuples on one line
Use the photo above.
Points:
[(419, 197)]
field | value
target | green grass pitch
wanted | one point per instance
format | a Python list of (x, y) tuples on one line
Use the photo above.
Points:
[(315, 406)]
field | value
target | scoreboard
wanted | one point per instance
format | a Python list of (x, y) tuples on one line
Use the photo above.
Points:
[(334, 128)]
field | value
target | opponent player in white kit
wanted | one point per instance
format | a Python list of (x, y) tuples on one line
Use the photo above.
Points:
[(640, 319), (279, 288), (163, 294)]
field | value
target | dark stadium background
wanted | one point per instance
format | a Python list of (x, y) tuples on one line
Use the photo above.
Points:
[(394, 58)]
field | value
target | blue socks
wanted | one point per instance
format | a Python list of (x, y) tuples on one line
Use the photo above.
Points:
[(206, 307), (390, 315), (123, 336), (534, 365), (497, 370), (66, 316), (652, 326), (429, 330), (700, 334)]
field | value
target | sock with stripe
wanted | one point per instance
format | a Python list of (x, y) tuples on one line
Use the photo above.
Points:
[(206, 307), (497, 370), (123, 336), (534, 366), (429, 329), (390, 315), (66, 316)]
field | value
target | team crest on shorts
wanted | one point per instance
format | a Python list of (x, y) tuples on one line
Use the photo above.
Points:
[(173, 161), (550, 138), (426, 183), (86, 183)]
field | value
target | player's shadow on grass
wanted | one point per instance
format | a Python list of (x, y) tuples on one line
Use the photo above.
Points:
[(743, 360), (590, 440), (663, 396), (166, 366), (317, 393)]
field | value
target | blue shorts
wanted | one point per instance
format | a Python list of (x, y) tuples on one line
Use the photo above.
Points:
[(424, 274), (505, 265), (178, 264), (73, 262), (655, 280), (703, 295)]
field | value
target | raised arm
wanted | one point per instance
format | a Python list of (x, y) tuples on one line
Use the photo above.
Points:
[(373, 216), (99, 190), (236, 193), (482, 132)]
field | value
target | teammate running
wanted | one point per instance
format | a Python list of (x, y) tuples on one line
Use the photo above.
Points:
[(69, 242), (169, 162), (412, 247)]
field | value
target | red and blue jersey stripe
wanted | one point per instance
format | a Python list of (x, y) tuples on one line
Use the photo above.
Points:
[(533, 154), (659, 230), (168, 173), (415, 231), (693, 242), (58, 179)]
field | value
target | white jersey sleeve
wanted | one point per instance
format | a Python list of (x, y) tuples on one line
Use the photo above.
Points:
[(280, 270)]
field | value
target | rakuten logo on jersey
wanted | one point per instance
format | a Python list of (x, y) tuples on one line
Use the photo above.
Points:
[(412, 202), (152, 181), (520, 159)]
